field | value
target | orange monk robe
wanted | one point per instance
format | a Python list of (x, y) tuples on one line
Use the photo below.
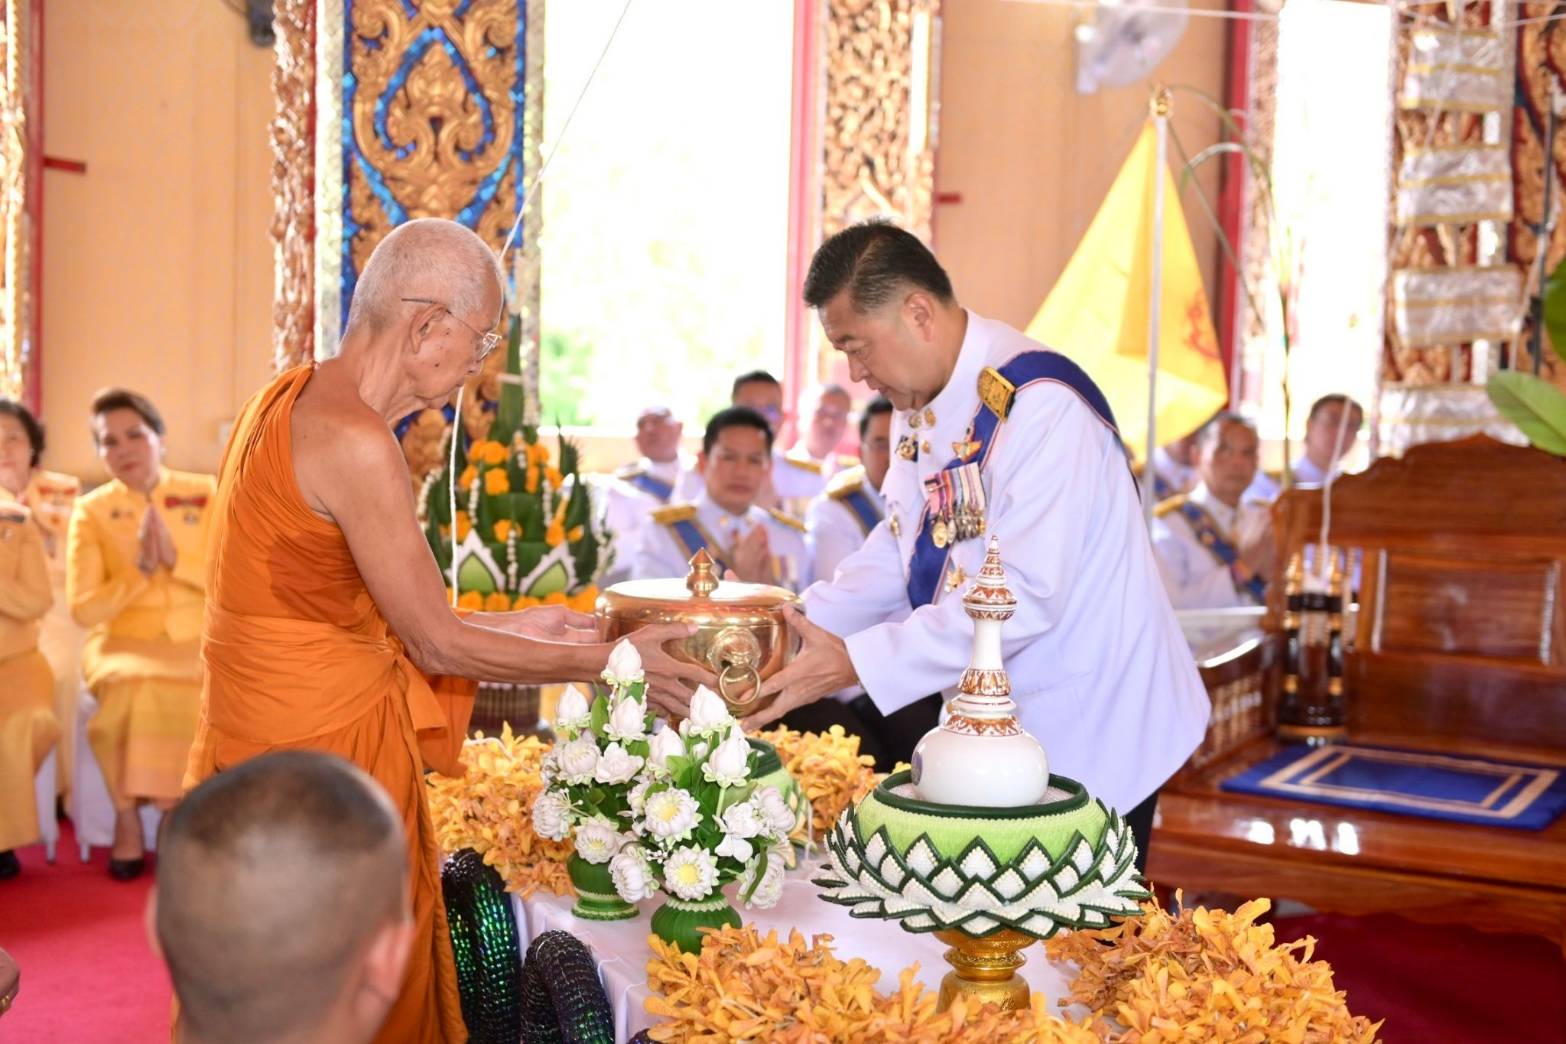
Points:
[(298, 657), (28, 730)]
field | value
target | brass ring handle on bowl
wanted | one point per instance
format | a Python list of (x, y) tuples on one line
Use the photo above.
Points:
[(745, 672), (735, 655)]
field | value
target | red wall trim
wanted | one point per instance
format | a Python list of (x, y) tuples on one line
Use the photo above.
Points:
[(804, 193), (32, 378), (1231, 198)]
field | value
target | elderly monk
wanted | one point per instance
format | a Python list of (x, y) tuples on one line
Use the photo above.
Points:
[(28, 729), (327, 625), (282, 904)]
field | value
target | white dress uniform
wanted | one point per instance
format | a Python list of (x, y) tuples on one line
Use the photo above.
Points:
[(1099, 668), (1174, 476), (1193, 574), (630, 496), (1265, 487), (665, 551), (835, 525), (798, 478)]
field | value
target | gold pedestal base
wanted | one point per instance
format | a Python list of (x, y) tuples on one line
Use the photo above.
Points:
[(984, 971)]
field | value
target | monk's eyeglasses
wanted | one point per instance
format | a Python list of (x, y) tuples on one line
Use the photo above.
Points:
[(487, 342)]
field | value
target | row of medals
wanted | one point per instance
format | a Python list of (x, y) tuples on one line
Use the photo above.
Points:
[(950, 525)]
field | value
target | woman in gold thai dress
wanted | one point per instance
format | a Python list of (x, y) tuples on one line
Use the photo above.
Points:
[(136, 578), (28, 728)]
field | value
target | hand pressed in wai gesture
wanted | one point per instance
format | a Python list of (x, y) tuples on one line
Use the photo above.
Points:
[(753, 558), (154, 543)]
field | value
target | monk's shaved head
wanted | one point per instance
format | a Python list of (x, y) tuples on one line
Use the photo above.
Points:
[(274, 878), (430, 258)]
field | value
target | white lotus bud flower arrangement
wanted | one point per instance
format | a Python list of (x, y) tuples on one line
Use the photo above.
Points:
[(599, 758), (699, 821)]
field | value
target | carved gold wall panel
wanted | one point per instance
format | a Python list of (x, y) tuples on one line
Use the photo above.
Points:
[(293, 185), (16, 302), (879, 134)]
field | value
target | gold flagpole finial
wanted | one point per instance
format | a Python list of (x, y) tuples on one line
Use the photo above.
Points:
[(1161, 103)]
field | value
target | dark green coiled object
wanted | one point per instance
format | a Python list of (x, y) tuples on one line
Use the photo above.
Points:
[(485, 943), (562, 999)]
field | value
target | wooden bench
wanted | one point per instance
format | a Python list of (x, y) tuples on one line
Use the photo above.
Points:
[(1458, 645)]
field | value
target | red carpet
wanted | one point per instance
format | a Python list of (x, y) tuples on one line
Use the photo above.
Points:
[(88, 973), (1443, 983)]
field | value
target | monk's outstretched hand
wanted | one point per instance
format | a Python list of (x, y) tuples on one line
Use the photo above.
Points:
[(670, 682), (553, 623)]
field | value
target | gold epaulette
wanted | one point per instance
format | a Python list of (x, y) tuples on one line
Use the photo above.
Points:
[(996, 392), (812, 466), (845, 482), (845, 461), (1170, 505), (628, 471), (674, 513), (787, 519)]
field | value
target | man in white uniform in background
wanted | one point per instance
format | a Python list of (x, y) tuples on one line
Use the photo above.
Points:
[(759, 545), (660, 476), (1214, 545), (1100, 671), (1329, 437)]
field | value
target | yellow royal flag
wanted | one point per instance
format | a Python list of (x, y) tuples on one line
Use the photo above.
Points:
[(1097, 313)]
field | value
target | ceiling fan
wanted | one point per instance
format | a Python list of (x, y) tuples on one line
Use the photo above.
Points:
[(1122, 43)]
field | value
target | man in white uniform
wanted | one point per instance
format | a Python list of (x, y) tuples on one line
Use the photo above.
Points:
[(1214, 547), (757, 544), (1174, 467), (995, 435), (1328, 439), (838, 521), (662, 475), (796, 478)]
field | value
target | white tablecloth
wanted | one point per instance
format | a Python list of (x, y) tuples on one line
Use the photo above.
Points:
[(621, 951)]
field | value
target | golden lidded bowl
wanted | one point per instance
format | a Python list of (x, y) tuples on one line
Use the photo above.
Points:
[(740, 633)]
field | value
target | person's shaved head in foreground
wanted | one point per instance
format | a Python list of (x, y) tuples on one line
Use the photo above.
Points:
[(282, 903)]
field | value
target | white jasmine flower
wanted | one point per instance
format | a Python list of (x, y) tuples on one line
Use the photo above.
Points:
[(551, 816), (671, 814), (616, 765), (578, 760), (770, 866), (690, 873), (625, 665), (628, 720), (708, 713), (632, 875), (729, 764), (573, 712), (774, 811), (665, 744), (597, 840)]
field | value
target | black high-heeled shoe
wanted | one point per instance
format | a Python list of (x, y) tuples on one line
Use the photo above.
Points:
[(127, 869), (10, 866)]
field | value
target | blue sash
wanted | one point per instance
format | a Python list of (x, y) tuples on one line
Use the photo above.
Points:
[(928, 562), (653, 486), (694, 538), (1212, 538), (864, 509), (1162, 490)]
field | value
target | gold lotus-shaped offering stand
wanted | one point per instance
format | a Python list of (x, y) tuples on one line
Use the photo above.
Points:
[(988, 881), (740, 632)]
